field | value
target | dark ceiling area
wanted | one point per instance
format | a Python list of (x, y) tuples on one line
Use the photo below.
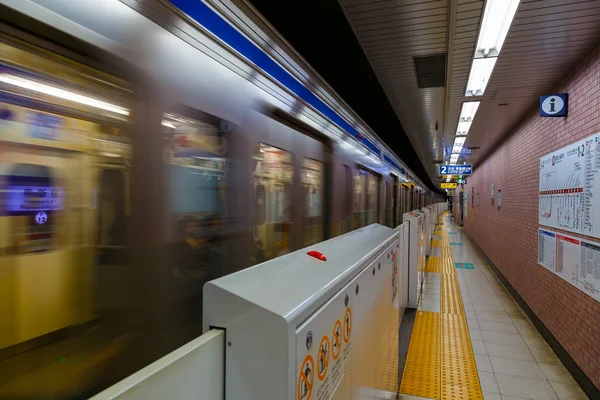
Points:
[(320, 32)]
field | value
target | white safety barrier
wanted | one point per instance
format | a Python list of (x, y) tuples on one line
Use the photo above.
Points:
[(416, 242), (194, 371), (303, 326), (312, 324)]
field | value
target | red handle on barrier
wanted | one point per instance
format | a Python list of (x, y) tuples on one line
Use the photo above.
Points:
[(317, 255)]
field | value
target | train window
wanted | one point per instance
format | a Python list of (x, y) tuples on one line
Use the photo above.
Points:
[(112, 225), (372, 198), (312, 180), (347, 200), (197, 175), (32, 198), (366, 194), (387, 209), (273, 177), (359, 218)]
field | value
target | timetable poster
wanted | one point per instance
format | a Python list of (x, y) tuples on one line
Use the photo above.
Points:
[(575, 260)]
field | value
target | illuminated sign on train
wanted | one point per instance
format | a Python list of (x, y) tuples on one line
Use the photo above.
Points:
[(33, 198)]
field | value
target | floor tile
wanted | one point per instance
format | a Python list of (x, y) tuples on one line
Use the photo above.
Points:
[(491, 396), (545, 356), (489, 309), (493, 317), (535, 341), (498, 326), (524, 387), (556, 373), (488, 382), (568, 391), (514, 311), (486, 300), (483, 363), (503, 338), (479, 347), (525, 369), (475, 334), (473, 324), (509, 351)]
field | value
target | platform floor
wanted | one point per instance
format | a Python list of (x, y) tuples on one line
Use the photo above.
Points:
[(471, 340)]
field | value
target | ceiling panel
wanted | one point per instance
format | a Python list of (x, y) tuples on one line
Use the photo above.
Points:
[(547, 39), (392, 33)]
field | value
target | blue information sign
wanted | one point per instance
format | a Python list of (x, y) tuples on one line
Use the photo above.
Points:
[(554, 105), (456, 169)]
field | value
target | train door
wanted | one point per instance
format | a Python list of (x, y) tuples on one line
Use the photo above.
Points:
[(394, 206), (111, 223), (386, 204), (46, 133), (345, 201), (40, 261), (289, 189), (366, 197)]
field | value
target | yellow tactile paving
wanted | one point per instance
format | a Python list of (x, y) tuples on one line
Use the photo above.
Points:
[(440, 363), (386, 377)]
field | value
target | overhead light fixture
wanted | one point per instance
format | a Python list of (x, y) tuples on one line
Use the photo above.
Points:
[(454, 158), (458, 144), (463, 128), (481, 71), (468, 111), (497, 19), (61, 93)]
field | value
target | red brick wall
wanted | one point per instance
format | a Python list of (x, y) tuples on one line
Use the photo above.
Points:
[(509, 236)]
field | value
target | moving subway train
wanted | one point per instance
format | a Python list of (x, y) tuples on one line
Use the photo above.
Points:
[(144, 152)]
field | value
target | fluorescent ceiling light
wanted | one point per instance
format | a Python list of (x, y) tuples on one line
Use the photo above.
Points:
[(61, 93), (454, 158), (481, 70), (468, 111), (167, 124), (463, 128), (458, 144), (497, 19)]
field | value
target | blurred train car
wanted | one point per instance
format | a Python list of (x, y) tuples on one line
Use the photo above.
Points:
[(141, 157)]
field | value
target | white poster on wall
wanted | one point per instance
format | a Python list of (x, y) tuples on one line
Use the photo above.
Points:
[(546, 249), (567, 187), (575, 260)]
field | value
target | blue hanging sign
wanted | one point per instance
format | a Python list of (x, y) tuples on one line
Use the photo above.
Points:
[(462, 169), (554, 105)]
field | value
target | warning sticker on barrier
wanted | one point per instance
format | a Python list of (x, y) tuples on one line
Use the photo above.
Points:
[(323, 359), (347, 325), (336, 340), (306, 378)]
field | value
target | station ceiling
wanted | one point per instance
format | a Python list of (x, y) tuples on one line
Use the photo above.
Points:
[(403, 65)]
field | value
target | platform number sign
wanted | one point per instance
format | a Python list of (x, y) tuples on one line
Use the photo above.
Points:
[(554, 105), (461, 169), (41, 218)]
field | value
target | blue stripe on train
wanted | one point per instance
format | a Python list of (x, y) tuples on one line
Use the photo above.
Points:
[(210, 20)]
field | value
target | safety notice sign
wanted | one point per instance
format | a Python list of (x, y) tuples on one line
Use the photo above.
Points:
[(323, 348)]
